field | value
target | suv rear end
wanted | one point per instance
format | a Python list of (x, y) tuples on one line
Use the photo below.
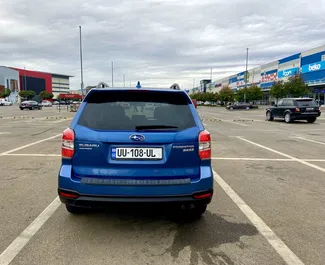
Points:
[(111, 153)]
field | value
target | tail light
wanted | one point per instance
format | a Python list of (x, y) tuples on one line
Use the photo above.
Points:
[(68, 143), (297, 109), (205, 145)]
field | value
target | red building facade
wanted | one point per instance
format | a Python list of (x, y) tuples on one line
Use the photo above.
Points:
[(33, 80)]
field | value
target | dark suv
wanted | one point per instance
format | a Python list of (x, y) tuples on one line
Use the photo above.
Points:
[(115, 153), (291, 109)]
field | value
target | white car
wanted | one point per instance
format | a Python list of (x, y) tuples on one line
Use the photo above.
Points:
[(4, 102), (46, 103)]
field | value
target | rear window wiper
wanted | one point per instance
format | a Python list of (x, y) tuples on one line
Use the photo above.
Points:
[(154, 127)]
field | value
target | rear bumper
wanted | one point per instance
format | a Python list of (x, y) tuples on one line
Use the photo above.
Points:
[(299, 116), (102, 201), (94, 195)]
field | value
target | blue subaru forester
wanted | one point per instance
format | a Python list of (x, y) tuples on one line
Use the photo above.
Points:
[(140, 145)]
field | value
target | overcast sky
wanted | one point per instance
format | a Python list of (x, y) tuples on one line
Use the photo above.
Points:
[(158, 42)]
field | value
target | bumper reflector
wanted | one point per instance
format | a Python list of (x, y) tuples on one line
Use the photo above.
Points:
[(68, 195), (202, 195)]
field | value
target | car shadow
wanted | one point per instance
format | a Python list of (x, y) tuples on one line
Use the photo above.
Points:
[(203, 236)]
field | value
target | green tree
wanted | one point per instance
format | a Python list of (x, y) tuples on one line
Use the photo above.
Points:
[(5, 93), (194, 96), (226, 94), (278, 90), (240, 94), (210, 96), (296, 87), (46, 95), (254, 93), (27, 94)]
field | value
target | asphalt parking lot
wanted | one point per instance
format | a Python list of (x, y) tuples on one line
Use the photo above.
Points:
[(268, 206)]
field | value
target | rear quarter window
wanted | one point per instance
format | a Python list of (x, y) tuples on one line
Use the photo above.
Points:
[(125, 110)]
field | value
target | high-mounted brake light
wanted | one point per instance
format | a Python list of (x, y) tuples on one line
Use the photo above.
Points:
[(68, 143), (205, 145)]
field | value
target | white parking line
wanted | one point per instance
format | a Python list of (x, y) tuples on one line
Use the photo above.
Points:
[(283, 154), (5, 132), (264, 159), (279, 246), (18, 244), (308, 140), (28, 145), (252, 159)]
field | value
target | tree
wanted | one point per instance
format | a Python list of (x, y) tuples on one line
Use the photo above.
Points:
[(27, 93), (226, 94), (254, 93), (46, 95), (5, 93), (240, 95), (194, 96), (296, 87), (278, 90)]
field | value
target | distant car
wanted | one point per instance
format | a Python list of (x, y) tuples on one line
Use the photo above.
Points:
[(159, 156), (46, 103), (30, 104), (194, 103), (246, 106), (4, 102), (55, 102), (291, 109)]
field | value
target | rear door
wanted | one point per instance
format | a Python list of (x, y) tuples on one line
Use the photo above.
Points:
[(114, 141)]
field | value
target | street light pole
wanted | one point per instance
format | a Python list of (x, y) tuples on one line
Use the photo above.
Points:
[(81, 67), (112, 75), (246, 74)]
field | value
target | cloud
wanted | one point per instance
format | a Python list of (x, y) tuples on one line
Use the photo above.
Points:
[(158, 42)]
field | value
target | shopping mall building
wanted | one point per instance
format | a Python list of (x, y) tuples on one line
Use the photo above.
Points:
[(311, 64), (21, 79)]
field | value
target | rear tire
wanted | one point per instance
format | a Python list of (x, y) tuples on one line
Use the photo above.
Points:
[(287, 117), (269, 116), (21, 108), (74, 210), (248, 108), (311, 120)]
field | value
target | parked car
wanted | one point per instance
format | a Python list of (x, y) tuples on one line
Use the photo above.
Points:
[(194, 103), (239, 105), (291, 109), (4, 102), (30, 104), (157, 156), (46, 103)]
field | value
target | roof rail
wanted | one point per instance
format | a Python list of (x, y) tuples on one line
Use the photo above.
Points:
[(175, 86)]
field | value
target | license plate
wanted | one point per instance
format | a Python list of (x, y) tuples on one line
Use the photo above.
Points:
[(137, 153), (310, 109)]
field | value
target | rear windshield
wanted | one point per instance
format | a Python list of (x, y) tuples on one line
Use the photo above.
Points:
[(306, 103), (131, 110)]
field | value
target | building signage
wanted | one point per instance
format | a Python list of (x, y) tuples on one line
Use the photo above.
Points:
[(288, 72), (313, 67), (269, 77)]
